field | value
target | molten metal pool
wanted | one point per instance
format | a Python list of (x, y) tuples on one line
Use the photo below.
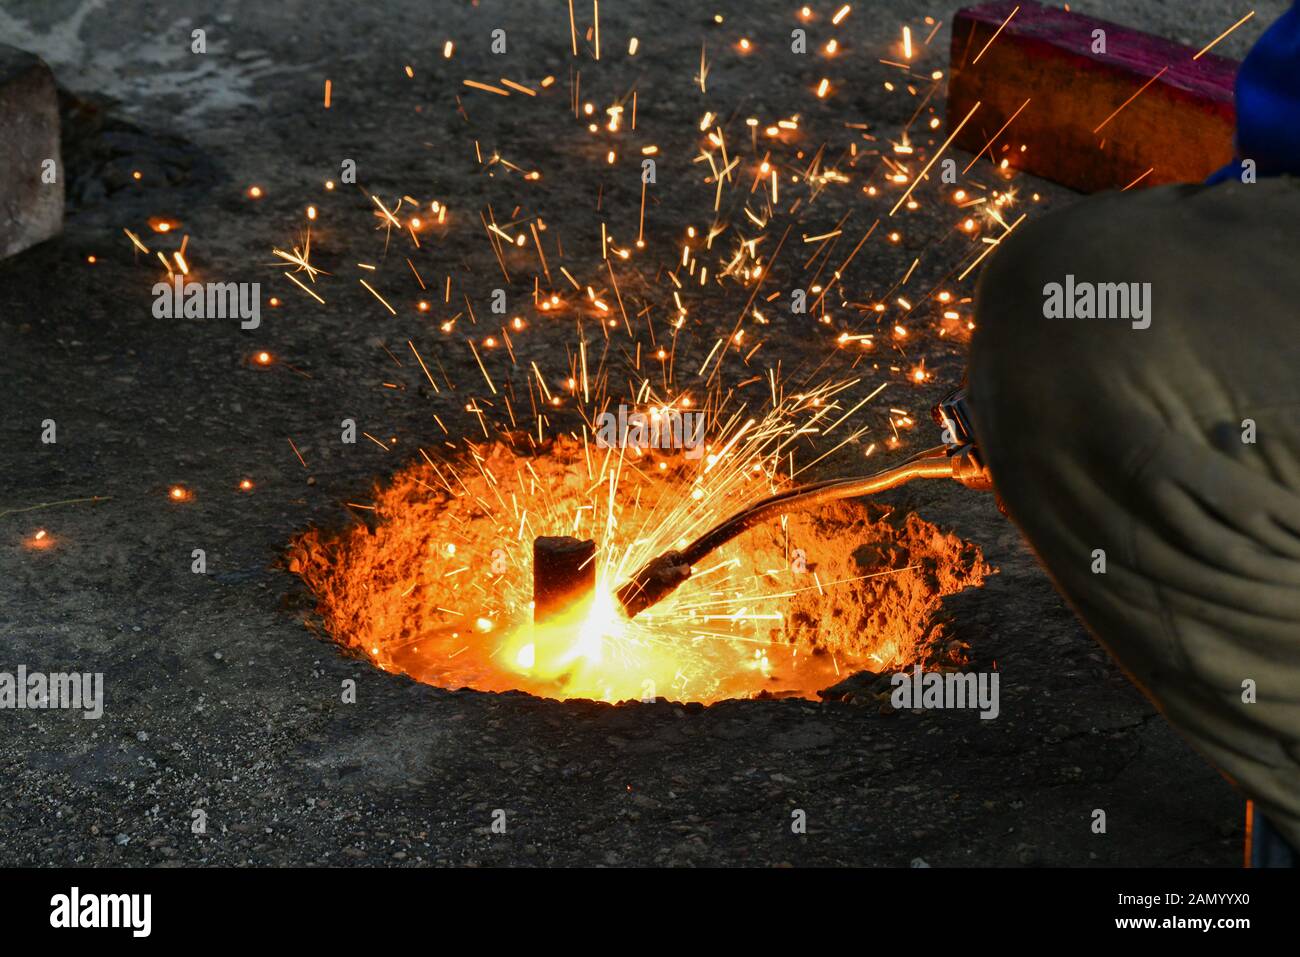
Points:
[(442, 588)]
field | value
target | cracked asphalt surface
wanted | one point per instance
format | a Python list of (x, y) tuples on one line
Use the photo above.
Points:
[(219, 701)]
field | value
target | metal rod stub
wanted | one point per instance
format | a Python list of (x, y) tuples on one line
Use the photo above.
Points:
[(564, 574)]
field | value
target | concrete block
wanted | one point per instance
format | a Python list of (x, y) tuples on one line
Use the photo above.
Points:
[(31, 209)]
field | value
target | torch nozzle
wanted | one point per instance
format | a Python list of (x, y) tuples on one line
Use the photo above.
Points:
[(653, 583)]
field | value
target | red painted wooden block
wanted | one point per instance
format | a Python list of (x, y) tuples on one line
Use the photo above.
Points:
[(1143, 111)]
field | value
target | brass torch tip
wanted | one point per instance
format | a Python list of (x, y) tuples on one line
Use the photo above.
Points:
[(653, 583)]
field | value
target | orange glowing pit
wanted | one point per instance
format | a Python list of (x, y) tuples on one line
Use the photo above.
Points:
[(440, 588)]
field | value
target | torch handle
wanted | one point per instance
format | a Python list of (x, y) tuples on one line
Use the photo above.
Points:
[(932, 463)]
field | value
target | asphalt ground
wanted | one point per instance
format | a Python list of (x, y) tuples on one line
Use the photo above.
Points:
[(219, 700)]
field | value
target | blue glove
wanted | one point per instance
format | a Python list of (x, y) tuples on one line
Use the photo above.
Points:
[(1268, 103)]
